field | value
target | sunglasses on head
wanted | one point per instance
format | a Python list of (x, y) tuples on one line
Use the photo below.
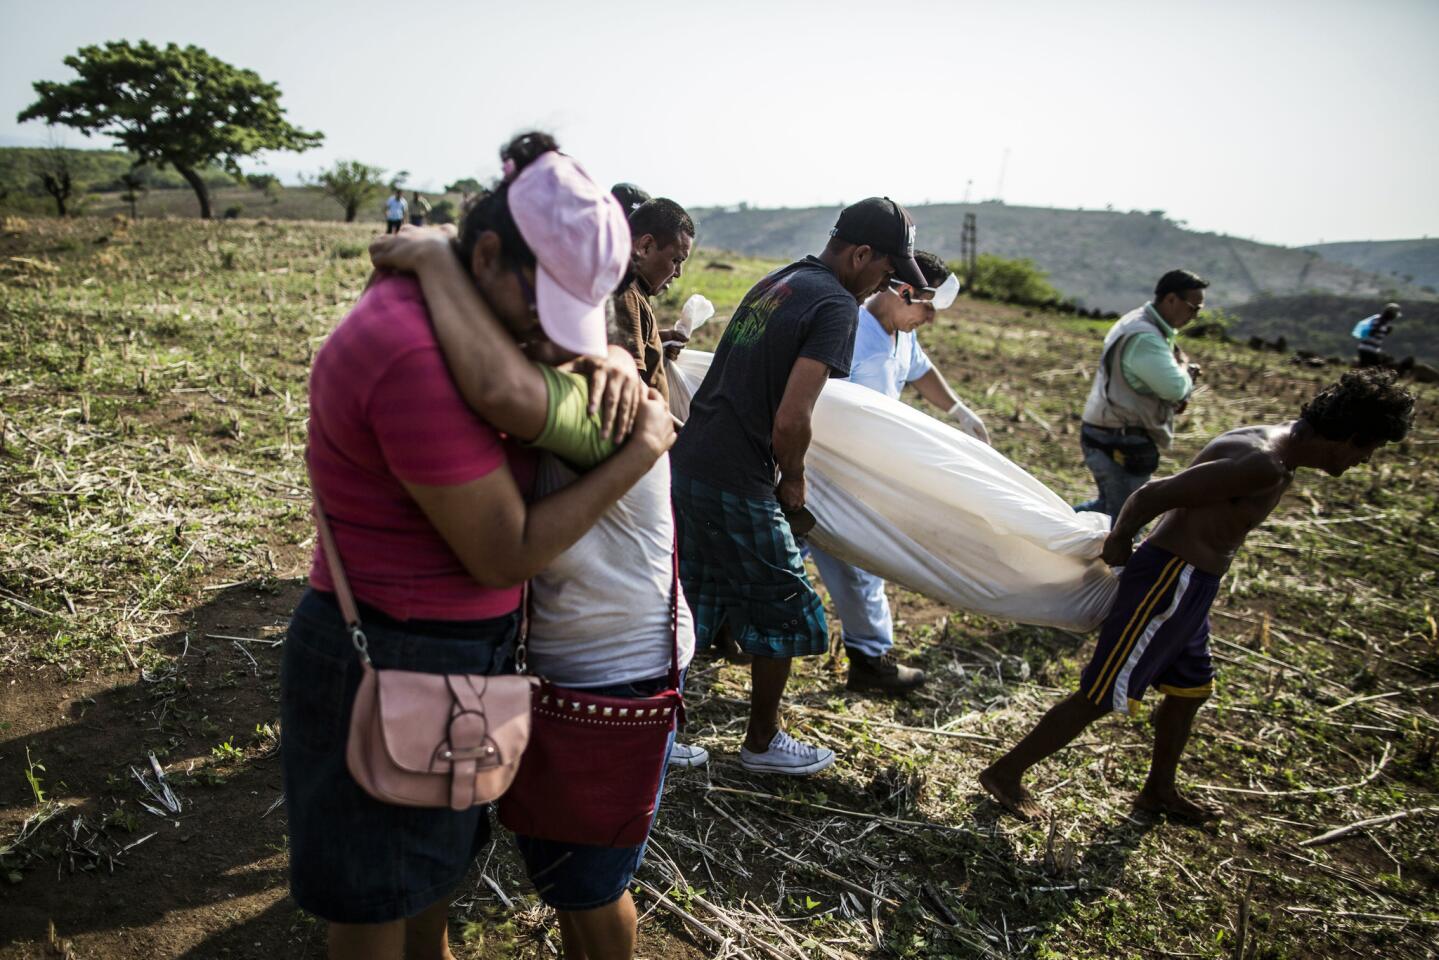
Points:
[(942, 296), (910, 293)]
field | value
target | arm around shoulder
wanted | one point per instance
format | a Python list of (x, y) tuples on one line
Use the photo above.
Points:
[(496, 380), (502, 541)]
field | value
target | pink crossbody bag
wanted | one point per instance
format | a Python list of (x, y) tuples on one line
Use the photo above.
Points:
[(428, 739)]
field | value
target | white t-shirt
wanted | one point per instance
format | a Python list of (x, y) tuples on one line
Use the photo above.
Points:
[(600, 613), (885, 361), (395, 208)]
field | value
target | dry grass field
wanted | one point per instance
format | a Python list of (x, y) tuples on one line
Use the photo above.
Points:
[(154, 536)]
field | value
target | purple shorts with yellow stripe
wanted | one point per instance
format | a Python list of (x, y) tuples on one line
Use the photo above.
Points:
[(1156, 635)]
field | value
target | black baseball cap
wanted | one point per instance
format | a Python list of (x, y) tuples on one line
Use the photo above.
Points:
[(630, 197), (881, 223)]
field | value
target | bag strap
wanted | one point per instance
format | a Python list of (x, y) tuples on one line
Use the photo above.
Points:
[(348, 609), (675, 608), (522, 644)]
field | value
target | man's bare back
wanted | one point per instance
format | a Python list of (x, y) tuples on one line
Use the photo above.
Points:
[(1237, 480), (1208, 536), (1231, 488)]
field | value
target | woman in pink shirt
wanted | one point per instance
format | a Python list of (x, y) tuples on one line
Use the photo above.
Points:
[(428, 506)]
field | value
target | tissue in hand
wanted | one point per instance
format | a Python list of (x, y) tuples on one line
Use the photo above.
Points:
[(694, 313)]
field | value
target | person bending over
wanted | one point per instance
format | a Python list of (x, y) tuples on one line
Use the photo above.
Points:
[(1157, 634), (739, 462), (661, 238)]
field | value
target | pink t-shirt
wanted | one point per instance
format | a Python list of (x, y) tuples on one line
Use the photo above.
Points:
[(383, 409)]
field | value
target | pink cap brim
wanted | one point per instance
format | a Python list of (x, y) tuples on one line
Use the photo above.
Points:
[(573, 324)]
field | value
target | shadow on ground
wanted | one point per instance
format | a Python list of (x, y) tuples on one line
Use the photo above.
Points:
[(107, 870)]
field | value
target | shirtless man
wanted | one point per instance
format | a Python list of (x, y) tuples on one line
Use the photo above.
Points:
[(1157, 633)]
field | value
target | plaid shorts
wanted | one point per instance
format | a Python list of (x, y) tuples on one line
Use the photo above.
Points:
[(739, 564)]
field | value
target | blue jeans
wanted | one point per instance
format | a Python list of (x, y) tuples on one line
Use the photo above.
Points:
[(859, 600), (1114, 456)]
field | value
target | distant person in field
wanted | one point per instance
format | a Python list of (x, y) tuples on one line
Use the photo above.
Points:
[(1143, 380), (661, 237), (419, 209), (631, 197), (739, 471), (1371, 332), (395, 208), (1157, 634), (887, 358)]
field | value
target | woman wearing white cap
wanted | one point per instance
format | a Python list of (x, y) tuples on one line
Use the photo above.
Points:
[(428, 504)]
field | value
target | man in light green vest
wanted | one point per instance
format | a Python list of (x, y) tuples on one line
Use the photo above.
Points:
[(1143, 380)]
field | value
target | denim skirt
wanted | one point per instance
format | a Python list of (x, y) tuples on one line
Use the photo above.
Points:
[(354, 859)]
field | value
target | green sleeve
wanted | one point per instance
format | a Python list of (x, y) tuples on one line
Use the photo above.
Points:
[(571, 432), (1149, 367)]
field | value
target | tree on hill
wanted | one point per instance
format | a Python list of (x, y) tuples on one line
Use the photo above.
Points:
[(465, 185), (57, 179), (135, 188), (175, 106), (351, 184)]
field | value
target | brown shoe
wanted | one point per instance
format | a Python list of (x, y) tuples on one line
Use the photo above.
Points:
[(882, 674)]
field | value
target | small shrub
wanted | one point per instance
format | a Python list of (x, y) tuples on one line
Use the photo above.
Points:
[(443, 212), (234, 212), (350, 251), (1012, 281), (1213, 324)]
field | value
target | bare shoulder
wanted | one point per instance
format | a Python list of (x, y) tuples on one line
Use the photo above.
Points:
[(1252, 451)]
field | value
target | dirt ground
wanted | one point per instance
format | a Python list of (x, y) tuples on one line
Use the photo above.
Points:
[(154, 538)]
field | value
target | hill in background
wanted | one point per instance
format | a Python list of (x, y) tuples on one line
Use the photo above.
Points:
[(93, 171), (1323, 323), (1099, 258), (1407, 261), (98, 190)]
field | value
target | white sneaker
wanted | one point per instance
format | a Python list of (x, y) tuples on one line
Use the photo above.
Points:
[(788, 756), (688, 755)]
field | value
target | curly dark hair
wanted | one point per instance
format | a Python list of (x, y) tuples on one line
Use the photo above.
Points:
[(1366, 406)]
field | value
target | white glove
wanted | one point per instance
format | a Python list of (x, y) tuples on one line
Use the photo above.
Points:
[(968, 421), (693, 314)]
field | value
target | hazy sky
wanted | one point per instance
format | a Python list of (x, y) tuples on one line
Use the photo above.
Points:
[(1289, 122)]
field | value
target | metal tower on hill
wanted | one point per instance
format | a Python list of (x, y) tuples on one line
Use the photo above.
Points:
[(969, 251)]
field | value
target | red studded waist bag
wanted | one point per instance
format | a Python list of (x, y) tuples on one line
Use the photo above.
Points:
[(591, 771)]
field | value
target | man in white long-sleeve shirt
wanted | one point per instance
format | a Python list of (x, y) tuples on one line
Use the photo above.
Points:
[(887, 358), (1143, 380)]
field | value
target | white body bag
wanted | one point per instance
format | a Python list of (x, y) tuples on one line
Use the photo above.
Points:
[(919, 503)]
